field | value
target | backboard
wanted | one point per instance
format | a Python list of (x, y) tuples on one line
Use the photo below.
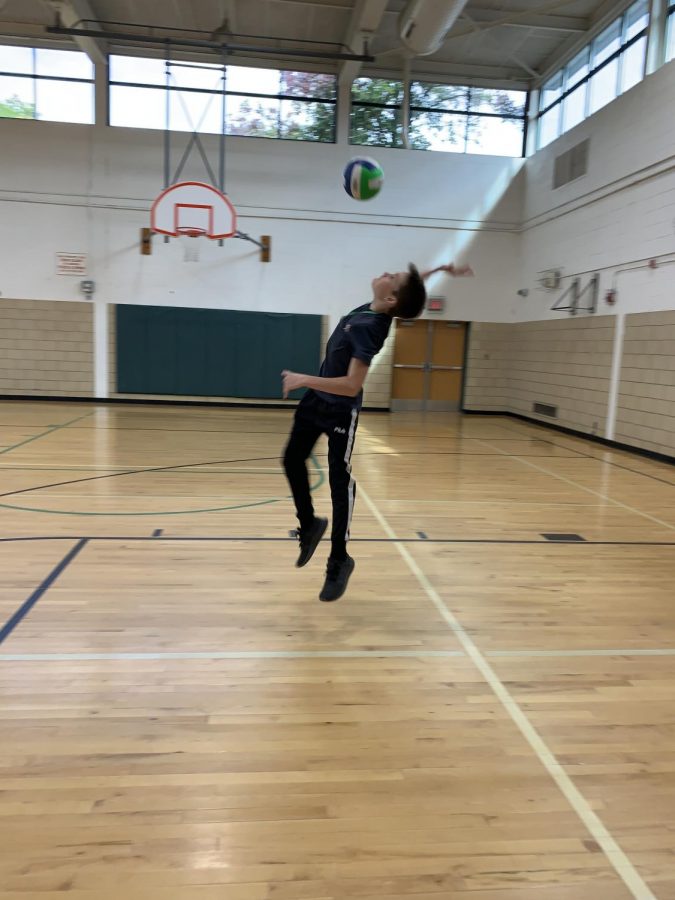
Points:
[(193, 208)]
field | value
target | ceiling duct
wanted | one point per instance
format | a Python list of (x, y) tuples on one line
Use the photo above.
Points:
[(423, 24)]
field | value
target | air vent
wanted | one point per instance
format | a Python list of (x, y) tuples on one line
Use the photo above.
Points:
[(545, 410), (570, 165)]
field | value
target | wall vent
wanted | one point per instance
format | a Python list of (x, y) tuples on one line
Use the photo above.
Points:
[(545, 410), (571, 164)]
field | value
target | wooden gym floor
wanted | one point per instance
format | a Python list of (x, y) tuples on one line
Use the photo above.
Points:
[(487, 714)]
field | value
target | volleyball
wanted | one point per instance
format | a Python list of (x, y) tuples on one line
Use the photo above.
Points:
[(363, 178)]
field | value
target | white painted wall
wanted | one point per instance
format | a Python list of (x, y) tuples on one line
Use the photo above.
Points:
[(89, 189), (623, 210)]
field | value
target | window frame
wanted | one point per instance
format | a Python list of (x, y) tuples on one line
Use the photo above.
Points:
[(467, 113), (372, 104), (592, 71), (34, 78), (670, 33), (252, 95)]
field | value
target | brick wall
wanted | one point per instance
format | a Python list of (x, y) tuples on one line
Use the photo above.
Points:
[(377, 388), (564, 363), (487, 359), (646, 407), (46, 348), (112, 351)]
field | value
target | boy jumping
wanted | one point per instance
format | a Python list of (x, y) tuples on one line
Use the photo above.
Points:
[(331, 406)]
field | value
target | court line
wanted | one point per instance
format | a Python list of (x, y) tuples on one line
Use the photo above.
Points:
[(136, 471), (28, 604), (402, 540), (50, 430), (594, 825), (236, 654), (658, 651), (581, 487), (336, 654), (604, 462), (155, 512)]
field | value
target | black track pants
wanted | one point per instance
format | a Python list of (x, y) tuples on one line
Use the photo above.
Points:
[(314, 417)]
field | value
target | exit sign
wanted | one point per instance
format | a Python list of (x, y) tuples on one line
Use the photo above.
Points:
[(436, 304)]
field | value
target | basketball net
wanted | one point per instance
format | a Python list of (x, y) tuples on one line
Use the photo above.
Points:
[(191, 246)]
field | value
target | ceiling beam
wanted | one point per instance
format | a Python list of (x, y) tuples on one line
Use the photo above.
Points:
[(427, 69), (228, 19), (532, 20), (610, 9), (71, 13), (147, 40), (603, 16), (513, 18), (495, 41), (364, 23)]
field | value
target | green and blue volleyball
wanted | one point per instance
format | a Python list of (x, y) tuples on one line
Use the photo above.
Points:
[(363, 178)]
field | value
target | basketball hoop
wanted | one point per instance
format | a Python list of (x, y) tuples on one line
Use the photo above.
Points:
[(191, 209), (195, 209), (187, 231)]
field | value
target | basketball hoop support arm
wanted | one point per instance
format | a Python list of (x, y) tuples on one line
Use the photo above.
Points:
[(265, 244)]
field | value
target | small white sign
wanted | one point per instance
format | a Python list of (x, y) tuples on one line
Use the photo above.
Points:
[(71, 263)]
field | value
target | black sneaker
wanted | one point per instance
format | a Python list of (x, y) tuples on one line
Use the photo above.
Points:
[(337, 576), (309, 539)]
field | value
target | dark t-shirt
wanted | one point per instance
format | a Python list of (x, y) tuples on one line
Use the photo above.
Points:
[(361, 334)]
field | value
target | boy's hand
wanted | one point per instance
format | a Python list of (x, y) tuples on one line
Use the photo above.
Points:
[(457, 271), (291, 381)]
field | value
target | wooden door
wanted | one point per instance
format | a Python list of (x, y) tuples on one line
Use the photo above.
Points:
[(428, 365), (410, 357), (447, 365)]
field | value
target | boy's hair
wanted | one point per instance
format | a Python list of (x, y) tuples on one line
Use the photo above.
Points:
[(411, 296)]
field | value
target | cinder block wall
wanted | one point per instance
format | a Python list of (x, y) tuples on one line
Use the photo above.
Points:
[(646, 408), (487, 367), (377, 389), (46, 348), (564, 363), (567, 363)]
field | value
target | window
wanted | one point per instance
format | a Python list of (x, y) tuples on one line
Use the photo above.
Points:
[(272, 103), (605, 64), (670, 35), (466, 119), (375, 117), (52, 85), (549, 125), (612, 63), (574, 104)]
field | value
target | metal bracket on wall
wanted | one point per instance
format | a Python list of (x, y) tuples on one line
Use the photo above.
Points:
[(577, 294)]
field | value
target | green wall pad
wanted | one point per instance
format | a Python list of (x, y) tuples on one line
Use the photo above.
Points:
[(212, 352)]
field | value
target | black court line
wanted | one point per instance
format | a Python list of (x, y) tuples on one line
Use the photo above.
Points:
[(220, 462), (606, 462), (401, 540), (384, 456), (26, 607), (217, 462)]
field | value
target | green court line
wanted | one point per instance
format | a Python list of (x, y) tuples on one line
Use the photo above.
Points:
[(175, 512), (44, 433), (114, 470)]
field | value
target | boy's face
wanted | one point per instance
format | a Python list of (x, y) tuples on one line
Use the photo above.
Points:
[(386, 284)]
